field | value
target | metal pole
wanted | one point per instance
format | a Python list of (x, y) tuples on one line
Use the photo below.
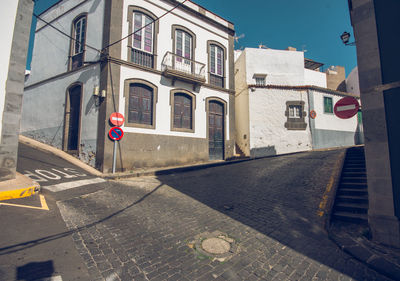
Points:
[(114, 156)]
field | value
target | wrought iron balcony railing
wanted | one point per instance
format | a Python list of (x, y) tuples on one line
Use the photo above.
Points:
[(178, 67), (142, 58)]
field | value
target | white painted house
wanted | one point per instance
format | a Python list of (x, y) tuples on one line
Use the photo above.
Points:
[(169, 73), (275, 92)]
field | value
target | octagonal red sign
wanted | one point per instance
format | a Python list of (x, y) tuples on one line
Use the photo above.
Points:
[(346, 107)]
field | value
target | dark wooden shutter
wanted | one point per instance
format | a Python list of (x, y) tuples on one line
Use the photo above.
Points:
[(140, 104), (182, 111)]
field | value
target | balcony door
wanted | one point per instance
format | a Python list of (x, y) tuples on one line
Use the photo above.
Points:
[(183, 52)]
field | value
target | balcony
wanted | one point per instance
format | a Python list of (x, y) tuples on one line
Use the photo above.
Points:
[(180, 68), (142, 58)]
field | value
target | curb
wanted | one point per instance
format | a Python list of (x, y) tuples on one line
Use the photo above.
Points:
[(19, 193), (57, 152)]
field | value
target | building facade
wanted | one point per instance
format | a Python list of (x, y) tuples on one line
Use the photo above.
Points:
[(16, 22), (282, 106), (170, 73)]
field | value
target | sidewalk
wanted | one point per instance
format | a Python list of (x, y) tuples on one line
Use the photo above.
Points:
[(19, 187)]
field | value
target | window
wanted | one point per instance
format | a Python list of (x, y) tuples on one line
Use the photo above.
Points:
[(260, 79), (217, 61), (78, 44), (182, 110), (184, 43), (142, 45), (328, 107), (295, 115), (140, 100), (295, 111)]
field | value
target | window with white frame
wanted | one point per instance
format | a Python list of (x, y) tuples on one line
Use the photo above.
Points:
[(143, 39), (216, 66), (295, 111), (78, 44)]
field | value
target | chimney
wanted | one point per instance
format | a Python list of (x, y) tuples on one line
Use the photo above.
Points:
[(291, 49)]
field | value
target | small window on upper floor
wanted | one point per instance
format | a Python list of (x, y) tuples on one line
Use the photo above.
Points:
[(260, 79), (78, 44)]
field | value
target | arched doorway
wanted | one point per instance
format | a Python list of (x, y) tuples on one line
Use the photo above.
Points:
[(216, 129), (72, 119)]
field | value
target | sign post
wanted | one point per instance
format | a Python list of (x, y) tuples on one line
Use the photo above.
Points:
[(116, 134)]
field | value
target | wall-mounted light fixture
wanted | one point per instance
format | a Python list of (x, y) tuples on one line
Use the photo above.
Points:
[(99, 96), (346, 38)]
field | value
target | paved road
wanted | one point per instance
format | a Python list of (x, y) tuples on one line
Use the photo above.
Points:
[(35, 243), (151, 228)]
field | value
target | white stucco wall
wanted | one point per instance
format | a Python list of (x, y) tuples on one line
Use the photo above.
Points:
[(48, 125), (7, 21), (352, 82), (281, 67), (51, 48), (268, 134), (329, 121), (203, 30), (314, 78), (163, 106)]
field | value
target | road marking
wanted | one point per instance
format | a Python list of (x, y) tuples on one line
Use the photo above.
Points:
[(42, 202), (53, 278), (72, 184), (346, 107)]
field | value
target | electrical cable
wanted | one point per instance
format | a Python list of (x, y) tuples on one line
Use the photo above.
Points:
[(62, 32), (153, 21)]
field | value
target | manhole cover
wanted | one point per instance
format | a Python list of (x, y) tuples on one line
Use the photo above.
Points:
[(215, 246)]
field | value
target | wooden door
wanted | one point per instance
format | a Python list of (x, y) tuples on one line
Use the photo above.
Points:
[(73, 118), (216, 136)]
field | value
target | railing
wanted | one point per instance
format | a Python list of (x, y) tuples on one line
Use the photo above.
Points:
[(142, 58), (216, 80), (173, 63)]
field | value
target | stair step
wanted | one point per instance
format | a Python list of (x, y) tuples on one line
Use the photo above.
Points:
[(354, 174), (354, 179), (352, 199), (348, 191), (353, 185), (351, 217), (351, 207)]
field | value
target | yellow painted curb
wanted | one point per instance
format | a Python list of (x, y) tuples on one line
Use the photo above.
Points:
[(19, 193)]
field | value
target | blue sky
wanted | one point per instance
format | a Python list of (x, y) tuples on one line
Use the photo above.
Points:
[(311, 25)]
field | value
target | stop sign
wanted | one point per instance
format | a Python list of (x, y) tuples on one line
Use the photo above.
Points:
[(346, 107), (117, 119)]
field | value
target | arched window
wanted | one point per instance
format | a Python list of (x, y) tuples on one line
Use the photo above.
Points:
[(182, 111), (142, 45), (78, 44), (140, 104), (216, 62)]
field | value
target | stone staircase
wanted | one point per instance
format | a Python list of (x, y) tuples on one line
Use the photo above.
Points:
[(351, 202)]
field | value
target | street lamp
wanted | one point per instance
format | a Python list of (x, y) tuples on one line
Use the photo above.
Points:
[(345, 39)]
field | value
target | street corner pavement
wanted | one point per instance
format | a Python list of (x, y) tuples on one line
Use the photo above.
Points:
[(21, 186), (255, 220)]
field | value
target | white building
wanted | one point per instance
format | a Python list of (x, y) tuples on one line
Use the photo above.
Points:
[(275, 92), (172, 80)]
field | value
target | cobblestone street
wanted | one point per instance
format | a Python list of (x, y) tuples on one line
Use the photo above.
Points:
[(144, 228)]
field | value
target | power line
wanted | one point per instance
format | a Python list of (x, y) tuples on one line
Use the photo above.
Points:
[(153, 21), (65, 34)]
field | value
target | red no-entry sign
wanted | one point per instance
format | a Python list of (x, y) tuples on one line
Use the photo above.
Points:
[(346, 107), (116, 133), (117, 119)]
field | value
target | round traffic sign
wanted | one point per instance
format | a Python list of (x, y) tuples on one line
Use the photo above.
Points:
[(346, 107), (117, 119), (116, 133)]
